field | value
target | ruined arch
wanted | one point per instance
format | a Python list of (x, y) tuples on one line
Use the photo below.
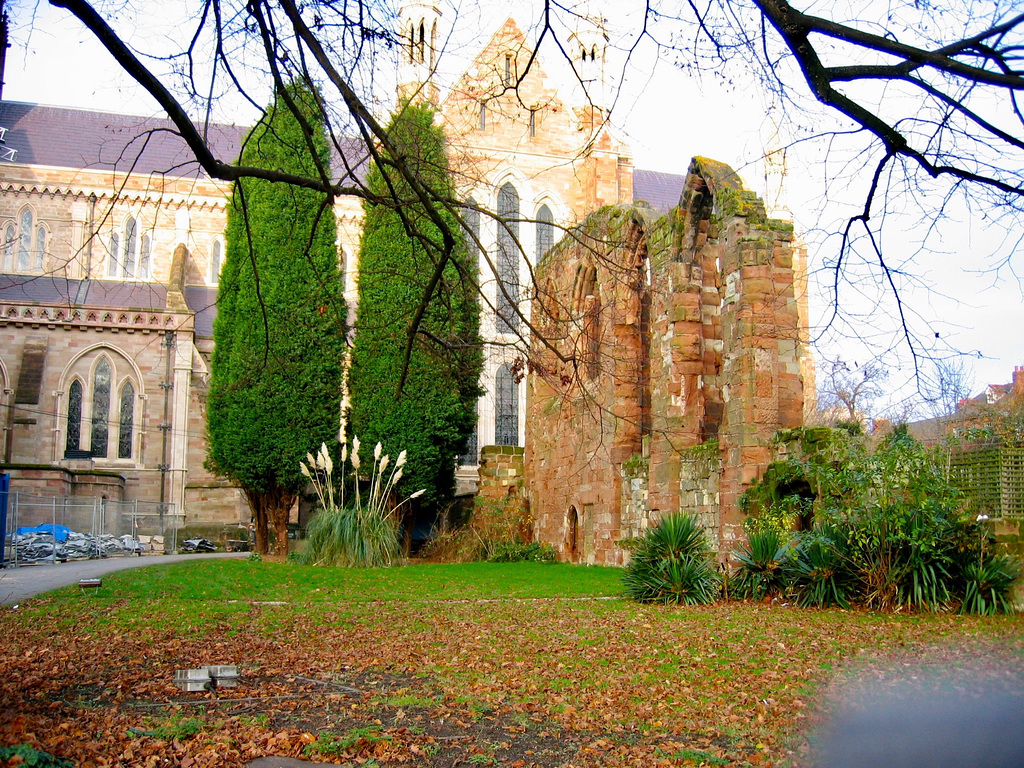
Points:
[(572, 534)]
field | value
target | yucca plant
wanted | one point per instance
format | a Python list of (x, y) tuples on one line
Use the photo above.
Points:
[(817, 574), (988, 583), (762, 565), (673, 563), (364, 533)]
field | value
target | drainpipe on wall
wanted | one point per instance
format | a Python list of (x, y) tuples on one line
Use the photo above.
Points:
[(165, 427), (56, 427), (91, 235), (8, 426)]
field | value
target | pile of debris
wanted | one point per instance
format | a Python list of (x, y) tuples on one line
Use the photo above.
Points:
[(59, 543)]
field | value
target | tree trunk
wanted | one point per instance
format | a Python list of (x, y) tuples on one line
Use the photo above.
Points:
[(271, 508), (259, 519)]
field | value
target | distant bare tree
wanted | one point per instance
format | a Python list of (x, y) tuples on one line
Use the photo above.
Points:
[(947, 387), (848, 391)]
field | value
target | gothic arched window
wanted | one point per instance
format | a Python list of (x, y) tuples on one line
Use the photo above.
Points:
[(129, 252), (74, 436), (506, 420), (100, 409), (471, 456), (10, 236), (471, 219), (508, 260), (126, 418), (545, 231), (25, 241), (216, 261), (24, 244)]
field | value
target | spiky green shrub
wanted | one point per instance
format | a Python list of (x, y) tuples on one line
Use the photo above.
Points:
[(890, 532), (762, 563), (816, 572), (673, 563), (366, 532), (988, 583)]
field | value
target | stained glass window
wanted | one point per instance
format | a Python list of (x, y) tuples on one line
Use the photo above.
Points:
[(144, 265), (506, 422), (215, 261), (115, 240), (40, 248), (124, 432), (472, 220), (508, 260), (545, 231), (100, 409), (471, 456), (9, 235), (74, 438), (130, 240), (25, 242)]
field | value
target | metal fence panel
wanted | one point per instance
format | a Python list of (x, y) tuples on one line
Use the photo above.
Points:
[(55, 529)]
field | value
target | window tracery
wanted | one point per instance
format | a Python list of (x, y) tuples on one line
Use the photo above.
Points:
[(24, 243), (507, 300)]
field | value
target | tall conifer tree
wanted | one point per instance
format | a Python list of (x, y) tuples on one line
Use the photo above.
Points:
[(280, 330), (434, 414)]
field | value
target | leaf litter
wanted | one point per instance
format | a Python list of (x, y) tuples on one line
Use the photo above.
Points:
[(516, 683)]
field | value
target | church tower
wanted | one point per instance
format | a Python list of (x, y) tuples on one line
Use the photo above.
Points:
[(588, 51), (418, 30)]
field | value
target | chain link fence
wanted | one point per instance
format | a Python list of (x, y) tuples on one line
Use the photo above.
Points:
[(53, 529)]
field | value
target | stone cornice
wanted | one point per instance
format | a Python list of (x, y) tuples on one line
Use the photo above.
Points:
[(97, 318)]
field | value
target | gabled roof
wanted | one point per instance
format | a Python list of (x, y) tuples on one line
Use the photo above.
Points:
[(485, 72), (42, 289), (106, 141), (661, 190)]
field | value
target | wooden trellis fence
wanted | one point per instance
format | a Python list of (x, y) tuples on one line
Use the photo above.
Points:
[(992, 479)]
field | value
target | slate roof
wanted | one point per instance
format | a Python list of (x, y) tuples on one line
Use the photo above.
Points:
[(78, 138), (202, 300), (661, 190), (36, 289)]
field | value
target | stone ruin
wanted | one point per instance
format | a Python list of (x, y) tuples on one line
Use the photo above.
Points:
[(668, 353)]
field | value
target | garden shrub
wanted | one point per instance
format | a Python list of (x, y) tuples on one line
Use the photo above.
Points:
[(515, 551), (816, 573), (673, 563), (762, 565), (366, 531), (988, 583), (496, 531), (889, 531)]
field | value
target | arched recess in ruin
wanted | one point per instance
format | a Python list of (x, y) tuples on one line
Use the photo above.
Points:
[(572, 535), (586, 310)]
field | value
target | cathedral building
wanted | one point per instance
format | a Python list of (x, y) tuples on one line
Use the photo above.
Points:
[(112, 244)]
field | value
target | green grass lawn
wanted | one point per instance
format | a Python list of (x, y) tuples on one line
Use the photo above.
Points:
[(539, 664), (305, 585)]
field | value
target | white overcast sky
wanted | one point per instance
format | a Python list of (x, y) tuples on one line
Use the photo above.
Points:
[(667, 117)]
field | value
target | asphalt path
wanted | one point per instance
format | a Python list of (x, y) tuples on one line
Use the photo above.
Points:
[(19, 584)]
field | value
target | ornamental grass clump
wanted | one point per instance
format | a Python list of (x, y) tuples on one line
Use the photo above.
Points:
[(673, 564), (364, 533)]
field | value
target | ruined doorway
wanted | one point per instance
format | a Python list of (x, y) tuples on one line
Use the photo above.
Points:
[(573, 538)]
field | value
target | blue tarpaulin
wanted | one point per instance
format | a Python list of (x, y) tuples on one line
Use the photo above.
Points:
[(59, 532)]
